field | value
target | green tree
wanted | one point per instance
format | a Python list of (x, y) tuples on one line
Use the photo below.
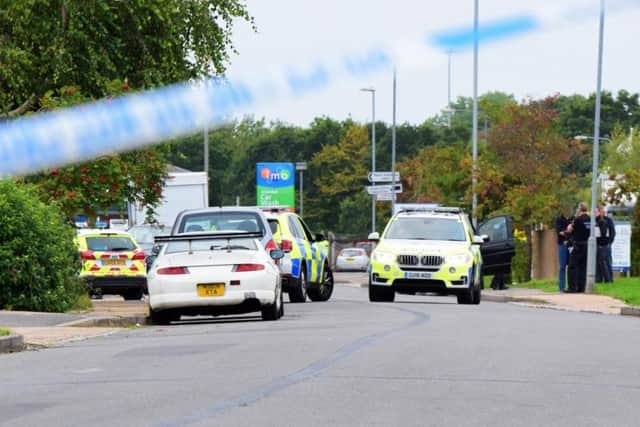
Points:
[(529, 153), (342, 173), (49, 44)]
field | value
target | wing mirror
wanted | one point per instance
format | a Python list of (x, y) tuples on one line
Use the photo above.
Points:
[(374, 237), (478, 240), (276, 254), (320, 237)]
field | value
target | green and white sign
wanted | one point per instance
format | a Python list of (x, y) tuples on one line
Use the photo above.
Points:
[(275, 184)]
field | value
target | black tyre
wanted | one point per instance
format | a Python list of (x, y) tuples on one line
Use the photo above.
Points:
[(381, 293), (276, 310), (162, 317), (132, 295), (299, 292), (471, 295), (325, 289)]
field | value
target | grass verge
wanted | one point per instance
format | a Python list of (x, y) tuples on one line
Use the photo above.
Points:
[(625, 289), (4, 332), (82, 304)]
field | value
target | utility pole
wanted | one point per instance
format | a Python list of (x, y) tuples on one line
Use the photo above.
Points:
[(206, 159), (393, 149), (591, 247), (474, 172)]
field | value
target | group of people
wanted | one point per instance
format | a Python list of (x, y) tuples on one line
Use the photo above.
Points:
[(573, 234)]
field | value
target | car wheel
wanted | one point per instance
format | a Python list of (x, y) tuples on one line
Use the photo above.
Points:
[(325, 289), (135, 294), (468, 295), (381, 293), (299, 292), (477, 291), (162, 317), (274, 311)]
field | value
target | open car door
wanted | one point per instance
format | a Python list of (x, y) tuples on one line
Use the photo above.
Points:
[(499, 249)]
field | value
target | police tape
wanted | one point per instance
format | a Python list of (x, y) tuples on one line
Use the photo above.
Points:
[(113, 125)]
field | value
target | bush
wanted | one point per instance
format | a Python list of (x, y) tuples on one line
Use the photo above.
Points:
[(520, 262), (39, 261)]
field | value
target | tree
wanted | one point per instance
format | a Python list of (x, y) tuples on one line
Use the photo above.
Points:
[(342, 173), (529, 154), (49, 44)]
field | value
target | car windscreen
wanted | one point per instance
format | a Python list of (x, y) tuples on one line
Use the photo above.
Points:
[(426, 229), (222, 221), (212, 245), (352, 252), (110, 243)]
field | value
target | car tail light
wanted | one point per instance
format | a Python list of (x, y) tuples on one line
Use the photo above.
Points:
[(239, 268), (87, 255), (286, 245), (271, 244), (95, 267), (139, 255), (173, 270)]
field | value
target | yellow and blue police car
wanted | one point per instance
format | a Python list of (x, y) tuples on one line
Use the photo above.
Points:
[(305, 268), (436, 250)]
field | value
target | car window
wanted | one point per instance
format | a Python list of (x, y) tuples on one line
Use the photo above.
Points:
[(426, 229), (305, 230), (495, 228), (273, 225), (222, 221), (211, 245), (295, 228), (110, 243)]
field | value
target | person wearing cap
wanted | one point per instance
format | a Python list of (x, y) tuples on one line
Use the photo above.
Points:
[(580, 230)]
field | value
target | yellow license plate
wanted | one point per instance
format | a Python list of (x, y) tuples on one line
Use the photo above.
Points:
[(210, 289), (351, 259), (111, 262)]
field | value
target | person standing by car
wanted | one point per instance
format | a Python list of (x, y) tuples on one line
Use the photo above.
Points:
[(563, 250), (579, 228)]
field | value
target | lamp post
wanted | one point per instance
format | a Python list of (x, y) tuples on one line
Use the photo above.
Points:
[(301, 167), (373, 152), (591, 248), (474, 201)]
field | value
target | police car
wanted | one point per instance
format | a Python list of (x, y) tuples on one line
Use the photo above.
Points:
[(112, 263), (437, 250), (305, 267)]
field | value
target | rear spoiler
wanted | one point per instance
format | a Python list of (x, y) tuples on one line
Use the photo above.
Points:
[(190, 237)]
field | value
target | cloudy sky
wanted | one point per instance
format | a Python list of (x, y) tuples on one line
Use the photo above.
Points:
[(310, 58)]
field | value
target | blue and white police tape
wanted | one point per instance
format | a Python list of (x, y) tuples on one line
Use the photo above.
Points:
[(91, 130)]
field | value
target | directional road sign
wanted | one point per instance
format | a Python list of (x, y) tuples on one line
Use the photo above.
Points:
[(383, 196), (378, 189), (383, 176)]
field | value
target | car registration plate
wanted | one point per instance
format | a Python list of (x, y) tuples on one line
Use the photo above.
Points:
[(419, 275), (351, 259), (210, 289), (114, 262)]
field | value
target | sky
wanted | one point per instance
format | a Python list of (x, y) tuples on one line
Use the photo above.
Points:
[(311, 58)]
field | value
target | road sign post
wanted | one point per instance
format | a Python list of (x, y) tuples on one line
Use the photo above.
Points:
[(383, 177), (380, 189)]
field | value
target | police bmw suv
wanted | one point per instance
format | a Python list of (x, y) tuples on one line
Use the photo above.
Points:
[(432, 250)]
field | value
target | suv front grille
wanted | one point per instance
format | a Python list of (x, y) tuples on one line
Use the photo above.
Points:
[(431, 260), (407, 259)]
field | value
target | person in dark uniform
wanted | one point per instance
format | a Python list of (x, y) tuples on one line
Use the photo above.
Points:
[(579, 229), (563, 250), (603, 274), (612, 235)]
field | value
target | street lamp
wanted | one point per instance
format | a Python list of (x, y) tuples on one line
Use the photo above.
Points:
[(591, 248), (373, 152), (474, 182)]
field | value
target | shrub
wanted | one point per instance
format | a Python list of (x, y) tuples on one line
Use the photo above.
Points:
[(39, 261), (520, 262)]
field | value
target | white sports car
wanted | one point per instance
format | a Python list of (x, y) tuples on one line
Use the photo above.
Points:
[(214, 273)]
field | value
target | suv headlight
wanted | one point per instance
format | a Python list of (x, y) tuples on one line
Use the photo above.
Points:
[(384, 257), (459, 258)]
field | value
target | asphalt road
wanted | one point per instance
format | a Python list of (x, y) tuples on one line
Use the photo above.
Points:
[(417, 362)]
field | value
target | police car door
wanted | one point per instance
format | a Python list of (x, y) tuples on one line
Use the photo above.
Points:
[(500, 248), (315, 254)]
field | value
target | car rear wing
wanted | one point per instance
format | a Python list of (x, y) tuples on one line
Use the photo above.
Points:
[(190, 237)]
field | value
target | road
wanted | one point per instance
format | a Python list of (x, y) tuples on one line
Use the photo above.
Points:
[(420, 361)]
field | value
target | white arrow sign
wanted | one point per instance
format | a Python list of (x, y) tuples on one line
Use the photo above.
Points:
[(378, 189), (383, 197), (383, 176)]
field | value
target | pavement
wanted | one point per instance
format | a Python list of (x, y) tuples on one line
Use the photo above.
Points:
[(112, 314)]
